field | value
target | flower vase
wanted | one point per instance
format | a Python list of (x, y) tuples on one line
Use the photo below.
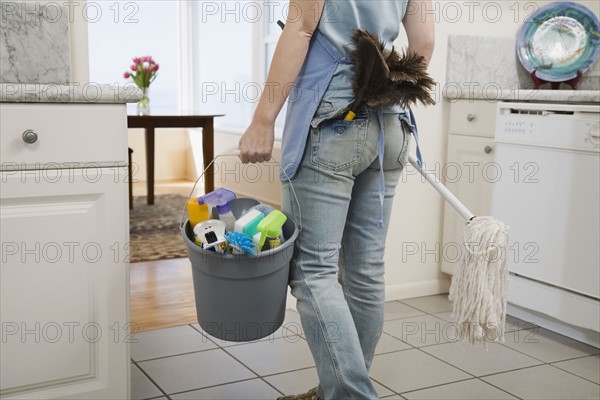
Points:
[(143, 107)]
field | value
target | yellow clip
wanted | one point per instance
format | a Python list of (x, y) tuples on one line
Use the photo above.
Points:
[(350, 116)]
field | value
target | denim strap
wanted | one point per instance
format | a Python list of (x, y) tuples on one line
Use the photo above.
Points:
[(380, 153), (415, 132)]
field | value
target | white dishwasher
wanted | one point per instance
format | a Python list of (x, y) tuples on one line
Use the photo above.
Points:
[(546, 188)]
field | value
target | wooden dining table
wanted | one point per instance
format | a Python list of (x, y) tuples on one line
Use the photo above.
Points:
[(176, 120)]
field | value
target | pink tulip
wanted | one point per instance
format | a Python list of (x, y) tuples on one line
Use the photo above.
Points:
[(143, 68)]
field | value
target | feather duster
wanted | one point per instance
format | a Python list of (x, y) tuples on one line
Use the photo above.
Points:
[(384, 78)]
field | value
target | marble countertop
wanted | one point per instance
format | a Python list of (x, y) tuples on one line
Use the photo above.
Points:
[(487, 68), (523, 95), (72, 93)]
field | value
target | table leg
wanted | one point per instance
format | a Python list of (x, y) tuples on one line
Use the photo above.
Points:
[(150, 164), (208, 153)]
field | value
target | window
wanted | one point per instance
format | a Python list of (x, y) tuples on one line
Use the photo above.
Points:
[(233, 44), (223, 62), (121, 30), (274, 11)]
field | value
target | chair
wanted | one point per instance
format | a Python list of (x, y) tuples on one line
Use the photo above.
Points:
[(130, 180)]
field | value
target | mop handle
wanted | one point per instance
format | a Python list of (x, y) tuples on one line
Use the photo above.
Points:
[(237, 154), (443, 190)]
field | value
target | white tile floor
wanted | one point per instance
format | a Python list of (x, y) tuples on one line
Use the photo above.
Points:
[(416, 359)]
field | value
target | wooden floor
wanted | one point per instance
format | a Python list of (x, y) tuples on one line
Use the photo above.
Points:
[(161, 294)]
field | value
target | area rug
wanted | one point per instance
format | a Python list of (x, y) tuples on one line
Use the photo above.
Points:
[(154, 230)]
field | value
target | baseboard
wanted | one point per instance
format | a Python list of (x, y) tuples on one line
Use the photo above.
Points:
[(417, 289), (545, 321)]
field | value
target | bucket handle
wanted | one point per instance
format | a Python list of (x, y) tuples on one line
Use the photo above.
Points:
[(237, 154)]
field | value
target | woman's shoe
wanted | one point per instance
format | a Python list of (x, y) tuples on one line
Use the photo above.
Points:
[(310, 395)]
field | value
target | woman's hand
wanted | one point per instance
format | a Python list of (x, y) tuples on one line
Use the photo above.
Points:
[(256, 145)]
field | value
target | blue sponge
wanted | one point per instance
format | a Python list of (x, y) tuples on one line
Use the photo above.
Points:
[(241, 242)]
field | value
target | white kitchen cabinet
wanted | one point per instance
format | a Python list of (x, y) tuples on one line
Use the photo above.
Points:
[(64, 298), (469, 172)]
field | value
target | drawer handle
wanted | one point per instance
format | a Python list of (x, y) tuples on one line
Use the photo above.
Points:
[(470, 117), (30, 136), (487, 149)]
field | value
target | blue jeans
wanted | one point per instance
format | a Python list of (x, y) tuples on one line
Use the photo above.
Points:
[(337, 272)]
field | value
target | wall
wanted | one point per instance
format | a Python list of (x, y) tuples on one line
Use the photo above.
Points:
[(172, 155)]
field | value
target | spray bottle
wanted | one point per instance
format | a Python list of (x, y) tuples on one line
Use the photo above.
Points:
[(220, 198), (270, 230)]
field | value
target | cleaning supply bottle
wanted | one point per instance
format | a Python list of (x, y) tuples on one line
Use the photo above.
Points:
[(248, 222), (220, 199), (210, 234), (270, 228), (197, 212)]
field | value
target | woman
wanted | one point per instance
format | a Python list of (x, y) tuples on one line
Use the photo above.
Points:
[(344, 174)]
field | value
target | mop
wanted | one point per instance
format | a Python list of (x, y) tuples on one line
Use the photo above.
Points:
[(478, 290), (479, 284)]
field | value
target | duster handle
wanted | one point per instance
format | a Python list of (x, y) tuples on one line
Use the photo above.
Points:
[(443, 190)]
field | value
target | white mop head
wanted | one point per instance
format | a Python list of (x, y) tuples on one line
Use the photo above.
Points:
[(479, 285)]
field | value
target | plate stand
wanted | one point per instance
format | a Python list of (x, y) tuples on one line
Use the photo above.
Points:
[(537, 82)]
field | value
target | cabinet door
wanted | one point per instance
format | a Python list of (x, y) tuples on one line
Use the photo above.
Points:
[(469, 173), (64, 284)]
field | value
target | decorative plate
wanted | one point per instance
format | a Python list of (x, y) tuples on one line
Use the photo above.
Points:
[(558, 40)]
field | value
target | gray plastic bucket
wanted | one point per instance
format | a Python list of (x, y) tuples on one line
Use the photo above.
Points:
[(241, 298)]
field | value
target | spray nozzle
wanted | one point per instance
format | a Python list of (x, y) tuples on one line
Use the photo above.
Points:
[(219, 198), (271, 226)]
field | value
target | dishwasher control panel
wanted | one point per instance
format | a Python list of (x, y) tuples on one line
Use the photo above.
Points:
[(561, 126), (518, 127)]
